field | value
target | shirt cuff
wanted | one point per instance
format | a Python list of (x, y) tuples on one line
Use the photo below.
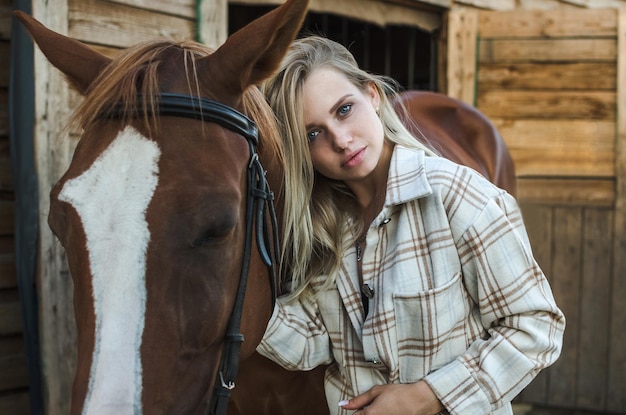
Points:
[(457, 390)]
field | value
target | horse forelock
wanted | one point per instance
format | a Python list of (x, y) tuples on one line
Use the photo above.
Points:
[(131, 82)]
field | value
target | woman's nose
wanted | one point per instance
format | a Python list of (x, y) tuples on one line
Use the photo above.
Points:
[(341, 139)]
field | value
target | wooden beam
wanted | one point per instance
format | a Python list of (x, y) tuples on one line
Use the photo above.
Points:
[(424, 4), (372, 11), (501, 5)]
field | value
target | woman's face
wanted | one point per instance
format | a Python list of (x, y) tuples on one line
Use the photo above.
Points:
[(346, 136)]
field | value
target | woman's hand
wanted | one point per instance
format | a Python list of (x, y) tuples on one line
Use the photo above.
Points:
[(396, 399)]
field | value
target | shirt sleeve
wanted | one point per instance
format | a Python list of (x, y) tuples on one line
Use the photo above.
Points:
[(295, 337), (523, 325)]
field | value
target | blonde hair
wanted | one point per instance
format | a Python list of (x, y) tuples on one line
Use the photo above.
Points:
[(317, 209)]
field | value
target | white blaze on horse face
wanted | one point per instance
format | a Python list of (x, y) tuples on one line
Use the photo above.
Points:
[(111, 198)]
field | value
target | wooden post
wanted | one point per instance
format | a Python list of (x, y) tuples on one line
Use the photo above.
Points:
[(213, 22), (53, 151), (617, 355), (462, 40)]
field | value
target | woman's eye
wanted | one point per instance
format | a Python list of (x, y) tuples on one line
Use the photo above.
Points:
[(312, 135), (344, 109)]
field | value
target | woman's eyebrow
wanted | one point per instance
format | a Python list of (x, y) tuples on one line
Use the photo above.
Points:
[(338, 103)]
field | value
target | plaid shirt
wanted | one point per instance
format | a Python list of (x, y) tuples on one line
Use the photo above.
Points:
[(458, 299)]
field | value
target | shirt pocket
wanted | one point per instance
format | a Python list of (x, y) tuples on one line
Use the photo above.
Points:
[(431, 328)]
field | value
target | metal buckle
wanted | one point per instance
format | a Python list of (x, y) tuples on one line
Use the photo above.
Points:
[(230, 386)]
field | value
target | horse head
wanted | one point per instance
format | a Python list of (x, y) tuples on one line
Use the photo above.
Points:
[(153, 211)]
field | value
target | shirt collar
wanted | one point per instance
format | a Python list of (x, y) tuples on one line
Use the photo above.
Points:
[(407, 176)]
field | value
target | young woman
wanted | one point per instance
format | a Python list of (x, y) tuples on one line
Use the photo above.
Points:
[(411, 277)]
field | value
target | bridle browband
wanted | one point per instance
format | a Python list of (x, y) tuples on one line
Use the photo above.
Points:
[(259, 205)]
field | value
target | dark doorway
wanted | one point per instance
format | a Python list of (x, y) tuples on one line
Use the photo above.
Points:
[(406, 54)]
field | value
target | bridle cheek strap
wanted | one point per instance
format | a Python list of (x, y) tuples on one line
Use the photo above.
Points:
[(259, 205)]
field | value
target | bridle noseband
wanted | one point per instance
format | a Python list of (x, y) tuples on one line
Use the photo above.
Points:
[(259, 205)]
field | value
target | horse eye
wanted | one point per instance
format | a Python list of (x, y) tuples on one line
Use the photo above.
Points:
[(212, 234)]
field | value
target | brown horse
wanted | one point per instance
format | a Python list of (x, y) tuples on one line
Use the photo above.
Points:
[(156, 215), (155, 212)]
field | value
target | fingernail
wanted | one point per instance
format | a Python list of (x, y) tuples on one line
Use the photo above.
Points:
[(342, 403)]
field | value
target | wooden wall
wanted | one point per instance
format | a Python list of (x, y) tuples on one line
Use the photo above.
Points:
[(13, 367), (552, 81)]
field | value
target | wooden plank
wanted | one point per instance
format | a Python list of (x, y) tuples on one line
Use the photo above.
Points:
[(10, 313), (548, 23), (17, 403), (539, 225), (6, 6), (4, 112), (461, 69), (617, 356), (566, 269), (6, 179), (7, 225), (563, 105), (182, 8), (579, 76), (547, 50), (13, 365), (110, 24), (5, 47), (565, 148), (8, 276), (569, 192), (595, 311)]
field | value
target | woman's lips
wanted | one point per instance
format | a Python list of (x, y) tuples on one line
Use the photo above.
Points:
[(353, 159)]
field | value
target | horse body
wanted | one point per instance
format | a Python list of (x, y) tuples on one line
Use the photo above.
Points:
[(460, 133), (152, 215)]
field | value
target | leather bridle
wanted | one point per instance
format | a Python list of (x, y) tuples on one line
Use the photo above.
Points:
[(259, 205)]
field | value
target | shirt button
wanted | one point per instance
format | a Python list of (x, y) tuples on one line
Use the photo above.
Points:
[(367, 290), (377, 364)]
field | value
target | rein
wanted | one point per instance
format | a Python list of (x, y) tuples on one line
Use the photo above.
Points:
[(259, 205)]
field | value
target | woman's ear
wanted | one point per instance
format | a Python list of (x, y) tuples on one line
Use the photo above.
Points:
[(374, 96)]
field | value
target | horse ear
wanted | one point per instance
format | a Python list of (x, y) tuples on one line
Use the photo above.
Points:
[(76, 60), (256, 50)]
